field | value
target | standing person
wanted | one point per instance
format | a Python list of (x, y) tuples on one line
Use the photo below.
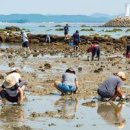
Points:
[(48, 39), (25, 41), (128, 50), (111, 87), (69, 83), (13, 87), (76, 40), (66, 31), (95, 50)]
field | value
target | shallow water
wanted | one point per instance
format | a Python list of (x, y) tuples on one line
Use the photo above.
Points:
[(101, 116), (11, 45), (74, 115), (49, 28)]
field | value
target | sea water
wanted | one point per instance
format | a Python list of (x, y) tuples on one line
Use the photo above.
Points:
[(50, 28)]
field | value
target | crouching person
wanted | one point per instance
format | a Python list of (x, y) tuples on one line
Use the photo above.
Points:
[(13, 87), (111, 87), (69, 83)]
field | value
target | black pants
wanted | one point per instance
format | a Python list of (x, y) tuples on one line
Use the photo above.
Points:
[(127, 49), (96, 52), (5, 95)]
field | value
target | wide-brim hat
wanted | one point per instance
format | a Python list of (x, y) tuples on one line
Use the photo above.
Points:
[(71, 69), (16, 69), (121, 75), (9, 81)]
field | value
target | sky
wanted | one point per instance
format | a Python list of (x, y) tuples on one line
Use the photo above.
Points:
[(67, 7)]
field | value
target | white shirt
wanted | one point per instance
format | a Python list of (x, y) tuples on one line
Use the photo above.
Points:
[(24, 37)]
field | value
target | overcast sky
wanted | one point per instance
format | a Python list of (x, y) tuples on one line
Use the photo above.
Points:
[(87, 7)]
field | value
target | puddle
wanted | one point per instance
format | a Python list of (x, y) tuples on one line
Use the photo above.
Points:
[(126, 86), (6, 45), (27, 69), (73, 114), (4, 67)]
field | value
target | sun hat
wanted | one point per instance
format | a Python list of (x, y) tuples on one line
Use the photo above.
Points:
[(14, 69), (122, 75), (70, 70), (9, 81)]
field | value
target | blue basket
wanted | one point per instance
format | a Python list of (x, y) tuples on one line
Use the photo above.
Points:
[(71, 44)]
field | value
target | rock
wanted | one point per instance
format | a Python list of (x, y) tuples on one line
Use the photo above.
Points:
[(12, 64), (79, 125), (24, 127), (34, 115), (10, 56), (47, 66), (80, 69), (13, 28), (98, 70), (118, 22), (90, 104), (52, 124)]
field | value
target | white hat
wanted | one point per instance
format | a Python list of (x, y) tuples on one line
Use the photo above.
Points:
[(14, 69), (122, 75), (9, 81)]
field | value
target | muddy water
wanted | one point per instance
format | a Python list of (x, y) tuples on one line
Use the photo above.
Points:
[(73, 116)]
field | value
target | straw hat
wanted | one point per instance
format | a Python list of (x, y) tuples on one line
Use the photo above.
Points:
[(9, 81), (122, 75), (16, 69)]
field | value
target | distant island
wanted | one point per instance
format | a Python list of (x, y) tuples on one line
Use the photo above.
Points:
[(27, 18)]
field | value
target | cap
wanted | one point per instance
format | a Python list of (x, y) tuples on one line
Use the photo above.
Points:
[(9, 81), (122, 75), (70, 69), (77, 31)]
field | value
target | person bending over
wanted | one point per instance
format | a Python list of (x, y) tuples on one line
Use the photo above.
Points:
[(111, 87), (69, 83), (12, 89), (95, 50)]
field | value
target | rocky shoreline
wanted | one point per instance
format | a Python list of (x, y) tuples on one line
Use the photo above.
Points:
[(39, 39), (118, 22), (109, 47)]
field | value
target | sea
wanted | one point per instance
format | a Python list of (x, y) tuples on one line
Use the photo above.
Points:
[(51, 28)]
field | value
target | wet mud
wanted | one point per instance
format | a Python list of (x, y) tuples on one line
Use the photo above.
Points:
[(44, 108)]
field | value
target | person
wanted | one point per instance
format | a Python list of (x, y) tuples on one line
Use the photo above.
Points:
[(76, 40), (48, 39), (111, 113), (69, 82), (95, 50), (111, 87), (25, 41), (128, 51), (13, 87), (66, 31)]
